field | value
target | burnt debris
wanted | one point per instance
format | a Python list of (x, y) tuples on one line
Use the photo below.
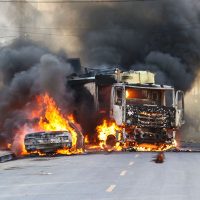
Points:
[(160, 158)]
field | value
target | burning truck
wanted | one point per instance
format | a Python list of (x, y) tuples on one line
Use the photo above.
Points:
[(137, 113)]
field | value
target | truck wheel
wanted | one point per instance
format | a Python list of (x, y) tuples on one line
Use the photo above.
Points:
[(111, 141)]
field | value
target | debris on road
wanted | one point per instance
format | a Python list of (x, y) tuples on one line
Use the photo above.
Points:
[(159, 158), (6, 156)]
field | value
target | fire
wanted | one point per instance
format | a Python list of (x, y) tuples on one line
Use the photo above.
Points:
[(50, 119), (152, 147), (9, 146), (67, 152), (133, 93), (53, 119), (86, 140), (105, 131), (127, 94), (108, 129)]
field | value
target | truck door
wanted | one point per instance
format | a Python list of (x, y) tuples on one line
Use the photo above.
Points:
[(117, 111), (179, 105)]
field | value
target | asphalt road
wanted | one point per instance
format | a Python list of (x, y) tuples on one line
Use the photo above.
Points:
[(114, 176)]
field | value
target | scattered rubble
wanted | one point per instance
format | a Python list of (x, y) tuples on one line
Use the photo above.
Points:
[(6, 156)]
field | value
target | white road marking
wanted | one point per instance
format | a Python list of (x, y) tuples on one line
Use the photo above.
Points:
[(123, 173), (111, 188), (131, 163), (137, 155), (45, 173)]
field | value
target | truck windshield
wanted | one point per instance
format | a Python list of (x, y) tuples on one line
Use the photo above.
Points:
[(143, 96)]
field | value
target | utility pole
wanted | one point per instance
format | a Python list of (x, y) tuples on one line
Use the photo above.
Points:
[(21, 8)]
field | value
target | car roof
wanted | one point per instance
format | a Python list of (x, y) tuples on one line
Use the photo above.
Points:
[(46, 133)]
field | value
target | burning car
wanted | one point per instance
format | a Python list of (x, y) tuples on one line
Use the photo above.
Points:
[(60, 142), (54, 132), (47, 141)]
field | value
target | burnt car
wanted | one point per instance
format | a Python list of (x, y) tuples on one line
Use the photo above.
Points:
[(50, 141)]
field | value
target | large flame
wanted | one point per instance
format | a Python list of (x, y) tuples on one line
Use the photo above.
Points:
[(53, 119), (50, 119), (108, 129), (154, 147)]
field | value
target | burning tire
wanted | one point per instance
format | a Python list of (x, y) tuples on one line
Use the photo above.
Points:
[(111, 141)]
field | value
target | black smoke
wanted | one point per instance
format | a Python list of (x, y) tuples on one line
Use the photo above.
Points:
[(28, 69), (160, 35), (85, 111)]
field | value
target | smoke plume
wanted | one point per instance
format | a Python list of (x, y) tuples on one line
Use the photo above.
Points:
[(163, 36), (160, 36), (28, 70)]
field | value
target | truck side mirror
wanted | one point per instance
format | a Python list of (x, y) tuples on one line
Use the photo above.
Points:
[(179, 105)]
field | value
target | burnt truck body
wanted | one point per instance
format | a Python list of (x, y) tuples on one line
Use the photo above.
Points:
[(145, 111), (148, 113)]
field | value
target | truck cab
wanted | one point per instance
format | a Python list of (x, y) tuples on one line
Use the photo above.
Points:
[(147, 111)]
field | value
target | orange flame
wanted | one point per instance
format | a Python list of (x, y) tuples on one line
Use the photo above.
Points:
[(127, 94), (86, 140), (53, 119), (108, 129), (50, 119), (9, 146), (153, 147)]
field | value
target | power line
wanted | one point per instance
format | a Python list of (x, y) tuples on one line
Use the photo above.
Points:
[(7, 36), (29, 27), (163, 29), (27, 33), (72, 1), (192, 25)]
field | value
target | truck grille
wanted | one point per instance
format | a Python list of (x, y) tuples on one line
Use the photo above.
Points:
[(150, 116)]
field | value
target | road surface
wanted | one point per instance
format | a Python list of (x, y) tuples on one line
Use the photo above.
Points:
[(114, 176)]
